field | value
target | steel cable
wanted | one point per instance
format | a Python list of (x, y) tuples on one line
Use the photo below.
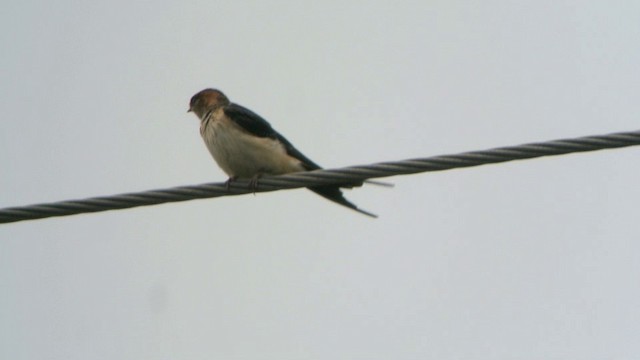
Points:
[(353, 174)]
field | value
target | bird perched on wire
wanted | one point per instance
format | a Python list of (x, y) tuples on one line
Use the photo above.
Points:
[(246, 146)]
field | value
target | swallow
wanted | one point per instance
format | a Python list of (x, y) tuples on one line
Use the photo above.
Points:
[(245, 145)]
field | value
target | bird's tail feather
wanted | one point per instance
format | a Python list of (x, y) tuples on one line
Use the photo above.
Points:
[(369, 182), (334, 194), (379, 183)]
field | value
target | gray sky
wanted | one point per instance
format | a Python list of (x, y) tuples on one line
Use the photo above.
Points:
[(528, 260)]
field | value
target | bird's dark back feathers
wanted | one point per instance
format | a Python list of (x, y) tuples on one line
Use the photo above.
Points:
[(258, 126)]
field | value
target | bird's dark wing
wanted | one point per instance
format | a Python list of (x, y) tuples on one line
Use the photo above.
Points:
[(249, 121), (256, 125)]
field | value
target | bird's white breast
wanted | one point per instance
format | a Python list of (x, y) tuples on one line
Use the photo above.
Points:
[(241, 154)]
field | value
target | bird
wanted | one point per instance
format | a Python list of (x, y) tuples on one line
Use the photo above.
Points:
[(245, 145)]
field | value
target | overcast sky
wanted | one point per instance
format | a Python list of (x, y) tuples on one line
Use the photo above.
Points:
[(538, 259)]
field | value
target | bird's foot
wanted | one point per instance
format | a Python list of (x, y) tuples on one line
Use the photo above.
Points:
[(253, 183), (227, 183)]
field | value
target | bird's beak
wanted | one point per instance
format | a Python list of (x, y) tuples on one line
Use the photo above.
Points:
[(189, 110)]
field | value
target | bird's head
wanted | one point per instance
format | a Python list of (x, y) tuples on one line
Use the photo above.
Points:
[(207, 100)]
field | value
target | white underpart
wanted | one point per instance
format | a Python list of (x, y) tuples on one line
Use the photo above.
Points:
[(241, 154)]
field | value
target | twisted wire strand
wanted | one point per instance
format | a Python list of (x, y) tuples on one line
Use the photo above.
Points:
[(345, 175)]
